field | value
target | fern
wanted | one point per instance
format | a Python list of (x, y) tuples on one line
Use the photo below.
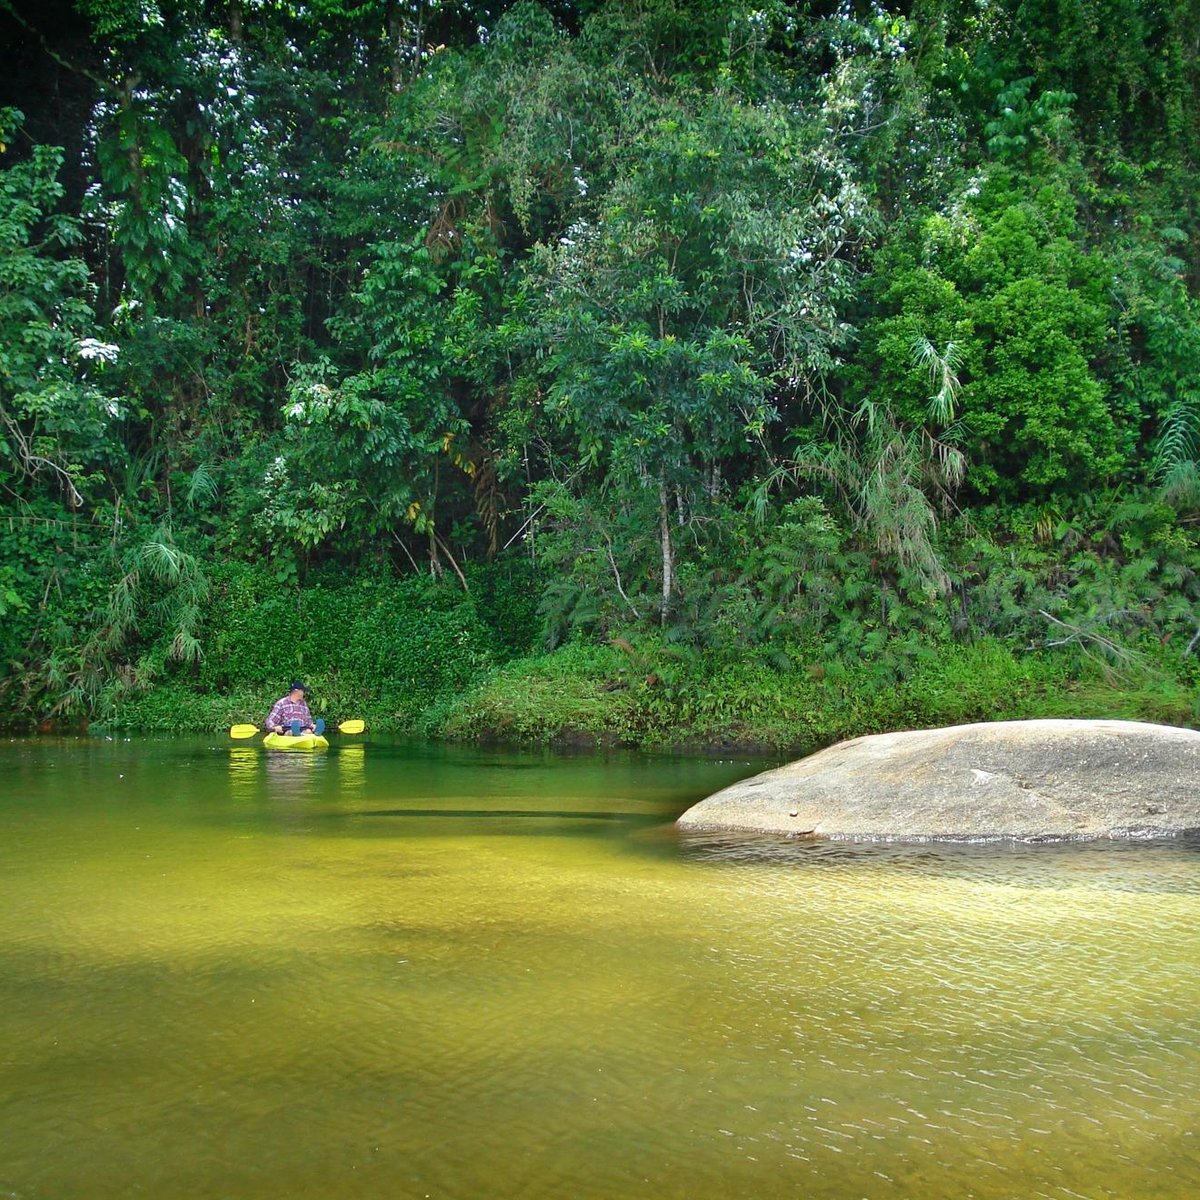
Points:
[(1176, 448)]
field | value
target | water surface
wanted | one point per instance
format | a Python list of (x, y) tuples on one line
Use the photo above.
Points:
[(404, 971)]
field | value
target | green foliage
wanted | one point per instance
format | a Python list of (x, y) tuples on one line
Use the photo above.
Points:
[(695, 293), (55, 420), (366, 449), (1029, 312), (541, 698), (1035, 394), (1023, 125), (597, 560), (505, 598), (373, 646), (97, 617), (807, 350), (1157, 364), (650, 695)]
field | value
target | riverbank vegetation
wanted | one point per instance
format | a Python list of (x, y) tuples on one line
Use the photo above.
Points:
[(658, 373)]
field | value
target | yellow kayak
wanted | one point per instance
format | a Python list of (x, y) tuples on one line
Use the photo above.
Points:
[(298, 741)]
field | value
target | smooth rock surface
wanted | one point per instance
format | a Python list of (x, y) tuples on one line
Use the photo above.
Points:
[(1028, 780)]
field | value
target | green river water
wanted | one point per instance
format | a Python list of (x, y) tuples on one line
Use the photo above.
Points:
[(406, 971)]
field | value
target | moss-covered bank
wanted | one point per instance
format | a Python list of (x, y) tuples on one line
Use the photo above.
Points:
[(651, 696), (409, 654)]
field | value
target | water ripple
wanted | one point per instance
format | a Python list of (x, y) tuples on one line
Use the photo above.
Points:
[(259, 992)]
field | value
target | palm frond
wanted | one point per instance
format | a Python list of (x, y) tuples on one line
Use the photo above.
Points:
[(943, 368), (163, 560), (202, 487)]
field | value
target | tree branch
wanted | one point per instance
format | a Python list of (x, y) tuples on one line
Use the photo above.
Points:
[(102, 83)]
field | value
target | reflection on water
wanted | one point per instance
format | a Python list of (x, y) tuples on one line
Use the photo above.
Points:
[(244, 764), (1066, 865), (351, 764), (394, 971), (256, 772)]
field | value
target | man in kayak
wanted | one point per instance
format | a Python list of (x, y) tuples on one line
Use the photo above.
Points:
[(290, 713)]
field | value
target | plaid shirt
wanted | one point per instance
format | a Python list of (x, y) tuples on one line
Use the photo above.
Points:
[(287, 710)]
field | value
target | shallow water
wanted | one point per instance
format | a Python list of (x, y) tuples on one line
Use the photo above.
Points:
[(404, 971)]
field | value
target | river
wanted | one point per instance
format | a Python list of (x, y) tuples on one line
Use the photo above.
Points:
[(396, 970)]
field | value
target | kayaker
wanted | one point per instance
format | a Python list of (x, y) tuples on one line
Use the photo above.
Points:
[(290, 713)]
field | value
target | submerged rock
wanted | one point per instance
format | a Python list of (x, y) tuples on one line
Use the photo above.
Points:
[(1029, 780)]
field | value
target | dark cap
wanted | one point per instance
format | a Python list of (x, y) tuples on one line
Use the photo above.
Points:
[(297, 686)]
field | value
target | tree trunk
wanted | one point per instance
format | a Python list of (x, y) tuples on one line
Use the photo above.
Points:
[(406, 40), (435, 565), (395, 34), (668, 551)]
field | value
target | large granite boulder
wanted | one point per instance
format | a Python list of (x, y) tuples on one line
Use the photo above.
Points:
[(1028, 780)]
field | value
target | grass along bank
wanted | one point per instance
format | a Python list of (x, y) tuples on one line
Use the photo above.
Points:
[(649, 695)]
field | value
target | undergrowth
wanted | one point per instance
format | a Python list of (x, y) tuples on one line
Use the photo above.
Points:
[(651, 695)]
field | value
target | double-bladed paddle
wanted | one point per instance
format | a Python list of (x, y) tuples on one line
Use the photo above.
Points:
[(248, 731)]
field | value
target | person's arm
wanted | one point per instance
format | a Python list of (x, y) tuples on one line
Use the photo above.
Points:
[(272, 722)]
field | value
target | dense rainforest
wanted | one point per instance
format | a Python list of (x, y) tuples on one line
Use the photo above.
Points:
[(658, 370)]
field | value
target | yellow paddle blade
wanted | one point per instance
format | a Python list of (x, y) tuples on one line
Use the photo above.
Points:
[(354, 726), (243, 731)]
